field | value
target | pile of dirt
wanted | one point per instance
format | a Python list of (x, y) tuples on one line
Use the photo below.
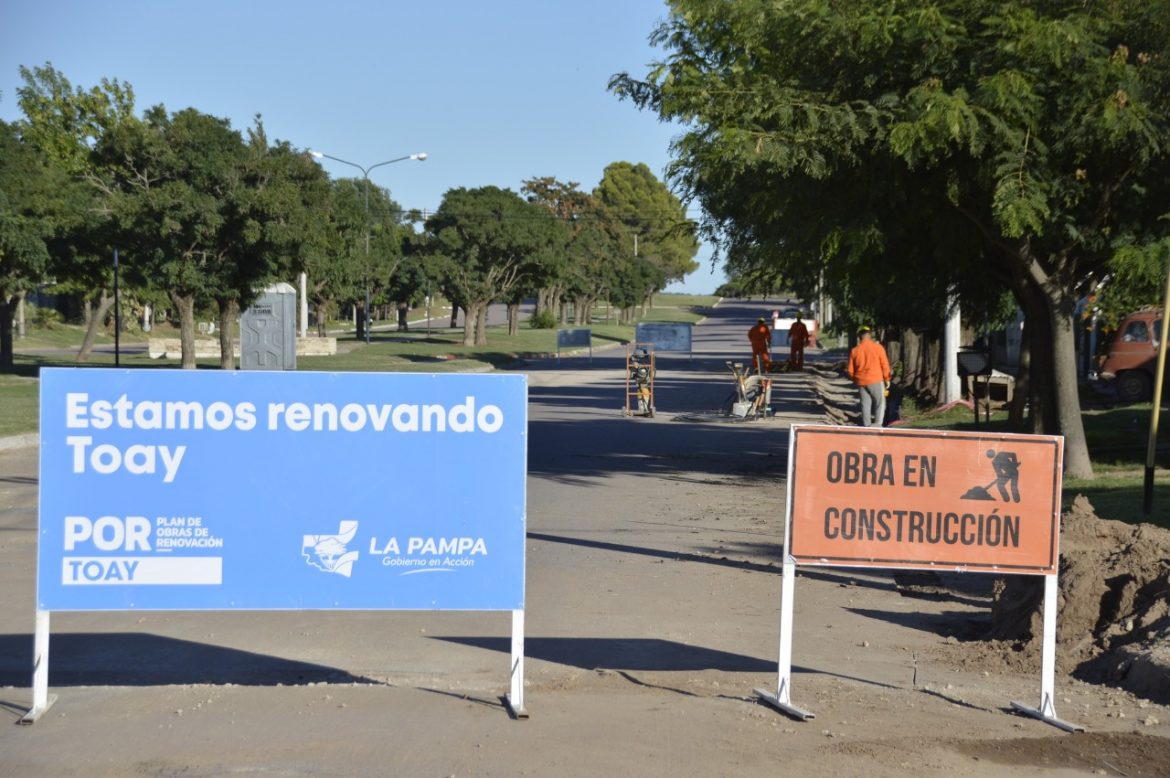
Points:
[(1113, 618)]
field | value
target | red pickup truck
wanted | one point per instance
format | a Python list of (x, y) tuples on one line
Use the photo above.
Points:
[(1133, 355)]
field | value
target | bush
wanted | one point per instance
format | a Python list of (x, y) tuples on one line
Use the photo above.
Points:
[(542, 321), (46, 318)]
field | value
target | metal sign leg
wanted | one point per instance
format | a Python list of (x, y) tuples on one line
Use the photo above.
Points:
[(1047, 711), (42, 700), (515, 698), (782, 699)]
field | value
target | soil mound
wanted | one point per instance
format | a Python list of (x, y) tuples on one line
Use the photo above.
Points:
[(1113, 619)]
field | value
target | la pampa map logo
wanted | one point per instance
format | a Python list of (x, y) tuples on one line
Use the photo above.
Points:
[(329, 552)]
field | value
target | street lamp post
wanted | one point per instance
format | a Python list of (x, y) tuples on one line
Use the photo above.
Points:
[(366, 191)]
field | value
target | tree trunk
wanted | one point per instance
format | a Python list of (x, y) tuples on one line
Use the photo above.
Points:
[(455, 316), (583, 309), (1068, 402), (932, 379), (513, 318), (93, 321), (470, 319), (185, 304), (1041, 395), (7, 314), (481, 325), (322, 320), (229, 311)]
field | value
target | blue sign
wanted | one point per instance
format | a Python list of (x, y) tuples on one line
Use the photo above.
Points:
[(207, 490), (574, 338), (664, 336)]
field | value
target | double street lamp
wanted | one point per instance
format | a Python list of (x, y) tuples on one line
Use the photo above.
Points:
[(366, 190)]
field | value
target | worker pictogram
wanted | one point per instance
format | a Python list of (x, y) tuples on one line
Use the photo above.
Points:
[(1006, 466)]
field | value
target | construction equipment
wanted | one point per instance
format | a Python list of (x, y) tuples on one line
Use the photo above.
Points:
[(752, 396), (640, 379)]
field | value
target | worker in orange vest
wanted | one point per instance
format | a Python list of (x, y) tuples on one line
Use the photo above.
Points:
[(797, 340), (869, 367), (761, 339)]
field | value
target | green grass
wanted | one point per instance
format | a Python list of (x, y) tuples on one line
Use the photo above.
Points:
[(62, 336), (18, 405), (1118, 440)]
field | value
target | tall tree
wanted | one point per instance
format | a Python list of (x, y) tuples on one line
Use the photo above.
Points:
[(176, 185), (27, 188), (1029, 138), (565, 201), (655, 220), (488, 241), (64, 122)]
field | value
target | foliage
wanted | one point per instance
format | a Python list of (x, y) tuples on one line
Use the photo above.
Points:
[(543, 320), (652, 216), (487, 241), (28, 211), (896, 153)]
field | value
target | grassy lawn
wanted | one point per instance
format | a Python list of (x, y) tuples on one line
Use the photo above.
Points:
[(415, 351), (1118, 438), (18, 405)]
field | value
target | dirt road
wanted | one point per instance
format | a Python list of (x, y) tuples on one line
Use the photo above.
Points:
[(652, 614)]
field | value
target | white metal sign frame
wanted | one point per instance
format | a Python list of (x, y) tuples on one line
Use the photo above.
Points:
[(782, 698)]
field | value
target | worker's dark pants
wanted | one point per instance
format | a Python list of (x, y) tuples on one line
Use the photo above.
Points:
[(873, 404), (796, 357)]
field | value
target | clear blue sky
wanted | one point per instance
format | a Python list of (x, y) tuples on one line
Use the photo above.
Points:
[(493, 92)]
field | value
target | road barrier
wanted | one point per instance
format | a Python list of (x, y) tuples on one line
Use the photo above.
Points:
[(922, 500)]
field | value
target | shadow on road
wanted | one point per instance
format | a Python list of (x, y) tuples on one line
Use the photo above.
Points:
[(142, 659), (623, 654)]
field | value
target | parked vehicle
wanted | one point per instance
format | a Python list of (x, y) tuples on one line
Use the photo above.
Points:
[(1133, 356)]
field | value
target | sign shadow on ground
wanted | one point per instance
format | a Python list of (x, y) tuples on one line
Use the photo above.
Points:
[(141, 659)]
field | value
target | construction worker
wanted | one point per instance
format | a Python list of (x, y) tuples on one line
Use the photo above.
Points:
[(797, 340), (761, 340), (869, 367)]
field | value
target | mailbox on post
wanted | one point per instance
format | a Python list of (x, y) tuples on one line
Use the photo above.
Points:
[(974, 362)]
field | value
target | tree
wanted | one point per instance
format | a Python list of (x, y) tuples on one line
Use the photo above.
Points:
[(583, 267), (176, 187), (488, 240), (564, 201), (1028, 139), (273, 224), (27, 183), (654, 219), (64, 122)]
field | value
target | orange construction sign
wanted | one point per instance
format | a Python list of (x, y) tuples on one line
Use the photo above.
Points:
[(926, 499)]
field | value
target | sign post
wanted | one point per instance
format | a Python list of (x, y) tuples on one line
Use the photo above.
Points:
[(271, 490), (666, 336), (578, 338), (923, 500)]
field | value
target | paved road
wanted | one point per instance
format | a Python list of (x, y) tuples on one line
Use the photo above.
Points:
[(652, 601), (598, 483)]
